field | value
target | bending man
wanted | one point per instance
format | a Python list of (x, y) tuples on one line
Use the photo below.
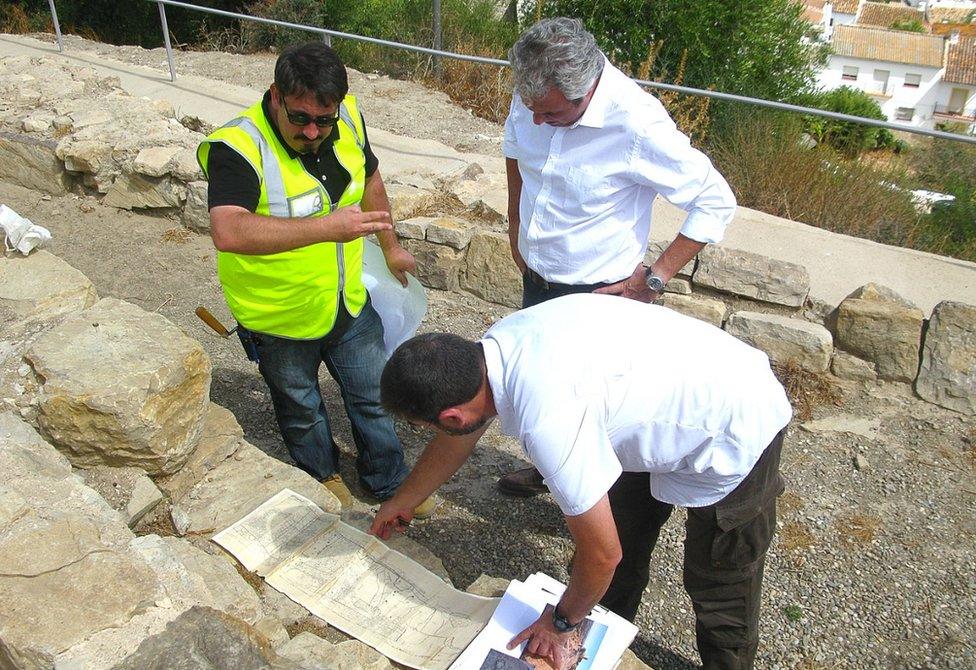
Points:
[(621, 432)]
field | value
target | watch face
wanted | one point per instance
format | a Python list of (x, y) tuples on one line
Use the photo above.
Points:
[(656, 284)]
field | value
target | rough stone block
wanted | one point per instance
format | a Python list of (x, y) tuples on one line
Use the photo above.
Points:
[(219, 439), (679, 286), (708, 310), (32, 163), (752, 275), (437, 265), (86, 156), (407, 200), (452, 232), (196, 213), (238, 485), (413, 229), (155, 161), (122, 386), (486, 193), (311, 650), (878, 325), (490, 272), (784, 339), (489, 587), (134, 191), (848, 366), (185, 167), (41, 286), (947, 375), (145, 496)]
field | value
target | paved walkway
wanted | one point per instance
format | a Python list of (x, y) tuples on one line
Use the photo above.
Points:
[(838, 264)]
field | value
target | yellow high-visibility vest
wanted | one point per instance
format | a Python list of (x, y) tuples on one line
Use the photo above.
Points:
[(293, 294)]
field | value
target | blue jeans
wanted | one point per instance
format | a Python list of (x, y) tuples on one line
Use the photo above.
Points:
[(354, 354)]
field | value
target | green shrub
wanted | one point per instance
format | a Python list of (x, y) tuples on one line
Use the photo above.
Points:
[(909, 25), (848, 137)]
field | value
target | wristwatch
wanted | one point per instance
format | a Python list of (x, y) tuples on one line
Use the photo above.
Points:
[(653, 282), (561, 623)]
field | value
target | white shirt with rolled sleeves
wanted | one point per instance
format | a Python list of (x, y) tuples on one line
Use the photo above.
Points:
[(594, 385), (587, 190)]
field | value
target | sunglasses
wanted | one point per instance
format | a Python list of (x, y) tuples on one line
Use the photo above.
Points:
[(303, 119)]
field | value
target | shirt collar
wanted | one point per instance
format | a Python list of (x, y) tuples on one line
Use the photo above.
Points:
[(269, 115), (596, 111), (495, 370)]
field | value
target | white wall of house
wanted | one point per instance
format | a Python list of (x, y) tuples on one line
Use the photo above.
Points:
[(902, 90), (841, 19), (956, 103)]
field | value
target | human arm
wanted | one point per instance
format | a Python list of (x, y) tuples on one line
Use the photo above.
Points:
[(597, 554), (681, 250), (514, 181), (375, 199), (441, 458)]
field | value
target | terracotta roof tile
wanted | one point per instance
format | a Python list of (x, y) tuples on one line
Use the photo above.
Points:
[(813, 10), (892, 46), (961, 62), (952, 15), (883, 15), (846, 6)]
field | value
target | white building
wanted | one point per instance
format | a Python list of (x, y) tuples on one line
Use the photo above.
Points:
[(901, 70), (956, 101)]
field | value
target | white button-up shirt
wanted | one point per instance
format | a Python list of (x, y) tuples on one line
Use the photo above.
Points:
[(594, 385), (587, 189)]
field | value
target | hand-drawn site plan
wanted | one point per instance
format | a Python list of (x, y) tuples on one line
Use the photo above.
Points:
[(356, 583)]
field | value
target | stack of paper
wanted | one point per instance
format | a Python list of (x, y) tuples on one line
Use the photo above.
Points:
[(602, 640)]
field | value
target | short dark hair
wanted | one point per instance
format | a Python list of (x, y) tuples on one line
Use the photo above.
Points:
[(313, 68), (430, 373)]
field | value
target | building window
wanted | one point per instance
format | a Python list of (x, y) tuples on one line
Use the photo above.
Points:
[(913, 80), (850, 73), (905, 113)]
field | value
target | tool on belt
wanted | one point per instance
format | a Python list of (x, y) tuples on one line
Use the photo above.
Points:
[(246, 336)]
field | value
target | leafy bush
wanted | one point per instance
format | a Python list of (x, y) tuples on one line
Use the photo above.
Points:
[(848, 137), (909, 25)]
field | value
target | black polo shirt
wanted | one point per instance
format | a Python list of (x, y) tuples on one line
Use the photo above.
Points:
[(234, 182)]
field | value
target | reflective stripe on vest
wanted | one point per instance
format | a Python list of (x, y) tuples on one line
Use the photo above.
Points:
[(293, 294)]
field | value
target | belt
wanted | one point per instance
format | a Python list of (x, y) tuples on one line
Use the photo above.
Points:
[(546, 285)]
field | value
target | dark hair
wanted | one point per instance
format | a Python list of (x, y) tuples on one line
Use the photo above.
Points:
[(429, 373), (313, 68)]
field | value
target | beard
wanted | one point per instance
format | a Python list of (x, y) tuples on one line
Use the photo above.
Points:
[(466, 429)]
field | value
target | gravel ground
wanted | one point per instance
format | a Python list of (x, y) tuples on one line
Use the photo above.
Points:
[(873, 565)]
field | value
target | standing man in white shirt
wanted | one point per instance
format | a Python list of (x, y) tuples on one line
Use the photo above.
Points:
[(593, 406), (586, 152)]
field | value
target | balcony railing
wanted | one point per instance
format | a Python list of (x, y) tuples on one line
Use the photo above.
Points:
[(956, 112)]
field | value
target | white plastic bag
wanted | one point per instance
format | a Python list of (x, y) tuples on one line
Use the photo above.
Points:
[(20, 233), (401, 309)]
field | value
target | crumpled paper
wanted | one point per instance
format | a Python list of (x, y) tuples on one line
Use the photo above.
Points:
[(19, 233)]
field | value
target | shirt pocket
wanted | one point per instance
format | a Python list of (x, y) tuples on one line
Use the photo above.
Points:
[(590, 184)]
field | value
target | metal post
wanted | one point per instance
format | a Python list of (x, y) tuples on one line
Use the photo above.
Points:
[(169, 48), (437, 37), (327, 38), (57, 25)]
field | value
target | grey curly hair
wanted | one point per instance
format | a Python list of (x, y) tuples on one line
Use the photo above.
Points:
[(556, 52)]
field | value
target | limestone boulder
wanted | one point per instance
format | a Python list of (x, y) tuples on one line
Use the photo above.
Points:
[(220, 438), (41, 287), (453, 232), (60, 546), (752, 275), (408, 201), (708, 310), (203, 638), (122, 386), (437, 265), (196, 212), (876, 324), (237, 486), (155, 161), (136, 191), (489, 587), (310, 650), (32, 163), (947, 376), (485, 194), (809, 345), (127, 490), (413, 229), (847, 366), (489, 271), (184, 165)]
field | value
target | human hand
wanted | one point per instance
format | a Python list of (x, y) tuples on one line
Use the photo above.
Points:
[(390, 517), (400, 262), (350, 223), (634, 287), (544, 640)]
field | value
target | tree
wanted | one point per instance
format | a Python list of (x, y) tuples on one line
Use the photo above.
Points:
[(909, 25), (760, 48)]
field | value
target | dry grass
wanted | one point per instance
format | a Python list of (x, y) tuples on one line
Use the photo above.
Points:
[(158, 522), (486, 90), (689, 112), (176, 235), (14, 20), (857, 529), (795, 536), (444, 204), (253, 579), (790, 502), (807, 390)]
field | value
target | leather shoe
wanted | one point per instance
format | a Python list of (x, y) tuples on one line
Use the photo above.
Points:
[(522, 483), (339, 489)]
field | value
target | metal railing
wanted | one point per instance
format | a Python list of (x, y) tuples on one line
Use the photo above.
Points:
[(437, 53)]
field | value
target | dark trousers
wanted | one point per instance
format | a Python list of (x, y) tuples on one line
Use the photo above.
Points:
[(537, 290), (725, 551)]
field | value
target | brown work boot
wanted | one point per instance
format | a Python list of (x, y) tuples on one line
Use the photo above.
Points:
[(425, 510), (339, 489), (522, 483)]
